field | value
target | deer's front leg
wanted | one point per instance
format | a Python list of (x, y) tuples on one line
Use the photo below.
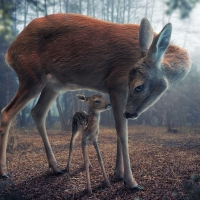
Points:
[(118, 101), (119, 168), (86, 162)]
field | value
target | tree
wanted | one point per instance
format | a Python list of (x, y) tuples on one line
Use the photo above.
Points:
[(184, 6)]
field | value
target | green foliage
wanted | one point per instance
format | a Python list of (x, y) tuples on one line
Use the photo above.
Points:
[(184, 6), (6, 32)]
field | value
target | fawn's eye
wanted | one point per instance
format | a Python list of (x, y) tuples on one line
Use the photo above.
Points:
[(97, 102), (139, 88)]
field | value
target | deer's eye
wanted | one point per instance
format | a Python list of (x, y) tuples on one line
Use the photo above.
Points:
[(139, 88), (97, 102)]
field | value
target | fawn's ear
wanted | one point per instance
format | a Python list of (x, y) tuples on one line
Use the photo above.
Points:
[(145, 36), (160, 44), (81, 97)]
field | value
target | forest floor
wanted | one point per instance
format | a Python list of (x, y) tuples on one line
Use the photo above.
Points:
[(162, 163)]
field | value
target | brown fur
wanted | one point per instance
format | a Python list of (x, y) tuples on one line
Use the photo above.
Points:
[(65, 44)]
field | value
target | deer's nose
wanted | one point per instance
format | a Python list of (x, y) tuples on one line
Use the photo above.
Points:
[(109, 106), (128, 115)]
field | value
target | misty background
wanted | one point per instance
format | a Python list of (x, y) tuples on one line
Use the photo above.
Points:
[(179, 106)]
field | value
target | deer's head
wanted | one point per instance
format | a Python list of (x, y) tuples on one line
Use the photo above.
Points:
[(147, 79), (96, 102)]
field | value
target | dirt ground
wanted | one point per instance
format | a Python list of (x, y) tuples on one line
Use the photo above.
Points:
[(166, 165)]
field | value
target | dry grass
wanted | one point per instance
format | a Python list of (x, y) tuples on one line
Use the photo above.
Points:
[(160, 162)]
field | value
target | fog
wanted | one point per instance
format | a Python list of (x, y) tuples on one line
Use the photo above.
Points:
[(181, 101)]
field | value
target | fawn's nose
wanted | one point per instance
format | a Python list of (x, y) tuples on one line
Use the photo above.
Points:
[(109, 106), (128, 115)]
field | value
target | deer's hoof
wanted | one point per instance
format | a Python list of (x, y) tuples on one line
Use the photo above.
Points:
[(119, 177), (5, 176), (134, 189), (61, 172)]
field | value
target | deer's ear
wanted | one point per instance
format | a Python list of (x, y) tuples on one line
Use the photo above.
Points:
[(81, 97), (145, 36), (160, 43)]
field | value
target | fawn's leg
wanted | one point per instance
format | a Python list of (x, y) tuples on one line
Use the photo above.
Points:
[(39, 113), (86, 162), (107, 182), (22, 97), (72, 142)]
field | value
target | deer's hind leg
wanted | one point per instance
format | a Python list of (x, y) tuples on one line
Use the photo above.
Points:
[(39, 113), (75, 133), (22, 97)]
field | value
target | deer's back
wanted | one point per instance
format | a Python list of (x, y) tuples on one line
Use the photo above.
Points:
[(75, 49)]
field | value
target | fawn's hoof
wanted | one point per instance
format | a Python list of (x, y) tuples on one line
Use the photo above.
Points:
[(89, 191), (5, 176), (67, 169), (107, 184)]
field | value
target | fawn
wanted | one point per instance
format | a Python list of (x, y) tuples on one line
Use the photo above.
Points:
[(88, 125)]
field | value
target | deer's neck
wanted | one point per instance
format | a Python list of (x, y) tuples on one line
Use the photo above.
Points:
[(94, 117)]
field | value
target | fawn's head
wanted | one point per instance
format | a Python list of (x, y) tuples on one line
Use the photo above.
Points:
[(96, 102), (147, 80)]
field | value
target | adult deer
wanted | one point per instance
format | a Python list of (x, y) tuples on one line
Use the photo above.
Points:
[(69, 52)]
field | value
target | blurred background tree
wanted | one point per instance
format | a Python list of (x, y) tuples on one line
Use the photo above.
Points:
[(179, 106), (184, 6)]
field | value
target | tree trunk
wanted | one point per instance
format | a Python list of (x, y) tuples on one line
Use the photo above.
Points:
[(152, 11), (186, 34), (80, 6), (93, 8), (135, 12), (88, 7), (107, 10), (118, 11), (23, 118), (124, 11), (129, 11), (49, 119), (146, 8), (54, 3), (45, 7), (66, 6), (62, 120), (112, 11), (103, 10), (25, 12)]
